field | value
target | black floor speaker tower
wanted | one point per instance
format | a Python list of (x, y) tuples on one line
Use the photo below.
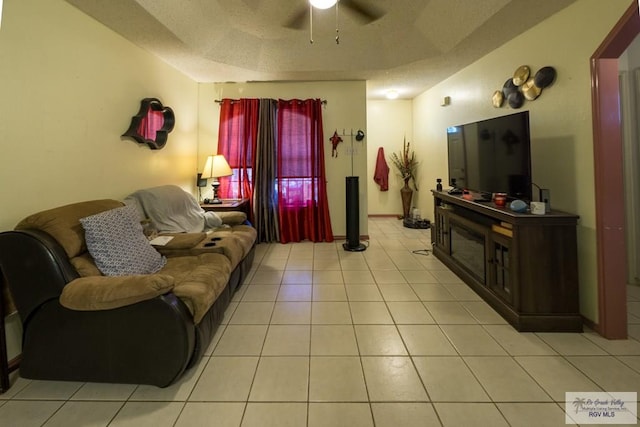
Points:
[(353, 216)]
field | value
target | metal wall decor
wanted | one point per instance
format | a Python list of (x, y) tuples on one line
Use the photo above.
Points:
[(522, 87), (335, 140)]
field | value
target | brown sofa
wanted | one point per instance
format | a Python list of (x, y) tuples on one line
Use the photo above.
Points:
[(81, 325)]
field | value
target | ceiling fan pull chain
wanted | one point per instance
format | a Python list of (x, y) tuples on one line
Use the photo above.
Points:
[(310, 23), (337, 27)]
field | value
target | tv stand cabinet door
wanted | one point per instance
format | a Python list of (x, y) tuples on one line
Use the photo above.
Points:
[(548, 269), (501, 276), (440, 237)]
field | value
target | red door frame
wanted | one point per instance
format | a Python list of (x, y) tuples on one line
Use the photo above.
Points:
[(609, 179)]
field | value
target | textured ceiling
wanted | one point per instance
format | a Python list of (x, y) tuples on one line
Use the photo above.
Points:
[(413, 46)]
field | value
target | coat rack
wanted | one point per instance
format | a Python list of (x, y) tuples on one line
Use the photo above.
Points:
[(353, 202)]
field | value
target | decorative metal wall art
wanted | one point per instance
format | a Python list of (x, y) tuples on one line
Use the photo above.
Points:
[(523, 87), (335, 140)]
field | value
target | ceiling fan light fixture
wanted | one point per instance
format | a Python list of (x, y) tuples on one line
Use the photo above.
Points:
[(323, 4)]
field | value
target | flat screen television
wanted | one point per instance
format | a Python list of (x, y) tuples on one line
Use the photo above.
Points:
[(492, 156)]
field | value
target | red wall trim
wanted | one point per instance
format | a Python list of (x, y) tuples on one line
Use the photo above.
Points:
[(609, 197)]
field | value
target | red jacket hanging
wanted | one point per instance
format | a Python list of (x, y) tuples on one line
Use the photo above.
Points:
[(381, 175)]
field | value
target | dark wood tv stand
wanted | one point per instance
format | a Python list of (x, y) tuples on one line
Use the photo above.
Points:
[(525, 266)]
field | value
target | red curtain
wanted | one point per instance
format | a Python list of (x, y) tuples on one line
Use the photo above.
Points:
[(303, 209), (237, 138)]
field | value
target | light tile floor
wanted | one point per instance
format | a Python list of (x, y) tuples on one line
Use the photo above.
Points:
[(323, 337)]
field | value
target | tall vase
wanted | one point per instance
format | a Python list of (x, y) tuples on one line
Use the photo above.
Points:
[(406, 193)]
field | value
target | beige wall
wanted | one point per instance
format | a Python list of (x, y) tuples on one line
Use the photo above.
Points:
[(389, 123), (345, 111), (68, 89), (561, 127)]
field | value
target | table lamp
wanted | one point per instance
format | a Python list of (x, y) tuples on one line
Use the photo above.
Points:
[(215, 167)]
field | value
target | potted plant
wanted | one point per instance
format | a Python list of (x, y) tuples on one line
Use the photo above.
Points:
[(407, 166)]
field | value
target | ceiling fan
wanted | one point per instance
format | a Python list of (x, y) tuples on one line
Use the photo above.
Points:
[(364, 13)]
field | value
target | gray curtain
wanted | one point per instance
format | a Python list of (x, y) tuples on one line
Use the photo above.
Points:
[(265, 200)]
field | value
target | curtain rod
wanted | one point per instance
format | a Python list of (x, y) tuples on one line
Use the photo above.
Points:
[(218, 101)]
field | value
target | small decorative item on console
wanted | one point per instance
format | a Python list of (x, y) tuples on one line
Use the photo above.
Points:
[(538, 208), (518, 206), (500, 199)]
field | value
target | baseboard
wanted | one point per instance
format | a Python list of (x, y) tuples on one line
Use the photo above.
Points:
[(383, 215), (591, 324), (344, 237)]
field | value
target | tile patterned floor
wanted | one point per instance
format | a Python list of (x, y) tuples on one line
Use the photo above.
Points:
[(323, 337)]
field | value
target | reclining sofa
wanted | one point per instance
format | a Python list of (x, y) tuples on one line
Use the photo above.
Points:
[(80, 324)]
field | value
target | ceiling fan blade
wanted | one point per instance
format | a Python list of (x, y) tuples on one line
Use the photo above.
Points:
[(365, 13), (298, 20)]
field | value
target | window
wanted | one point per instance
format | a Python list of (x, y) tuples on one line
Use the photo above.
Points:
[(276, 152)]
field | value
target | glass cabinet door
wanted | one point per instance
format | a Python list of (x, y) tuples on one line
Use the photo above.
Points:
[(441, 229), (501, 280)]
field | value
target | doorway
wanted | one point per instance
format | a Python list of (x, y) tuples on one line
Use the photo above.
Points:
[(629, 101), (609, 178)]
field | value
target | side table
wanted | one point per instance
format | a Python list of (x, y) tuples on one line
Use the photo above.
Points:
[(241, 205)]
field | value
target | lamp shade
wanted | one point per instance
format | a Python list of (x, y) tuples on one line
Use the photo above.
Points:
[(216, 166)]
